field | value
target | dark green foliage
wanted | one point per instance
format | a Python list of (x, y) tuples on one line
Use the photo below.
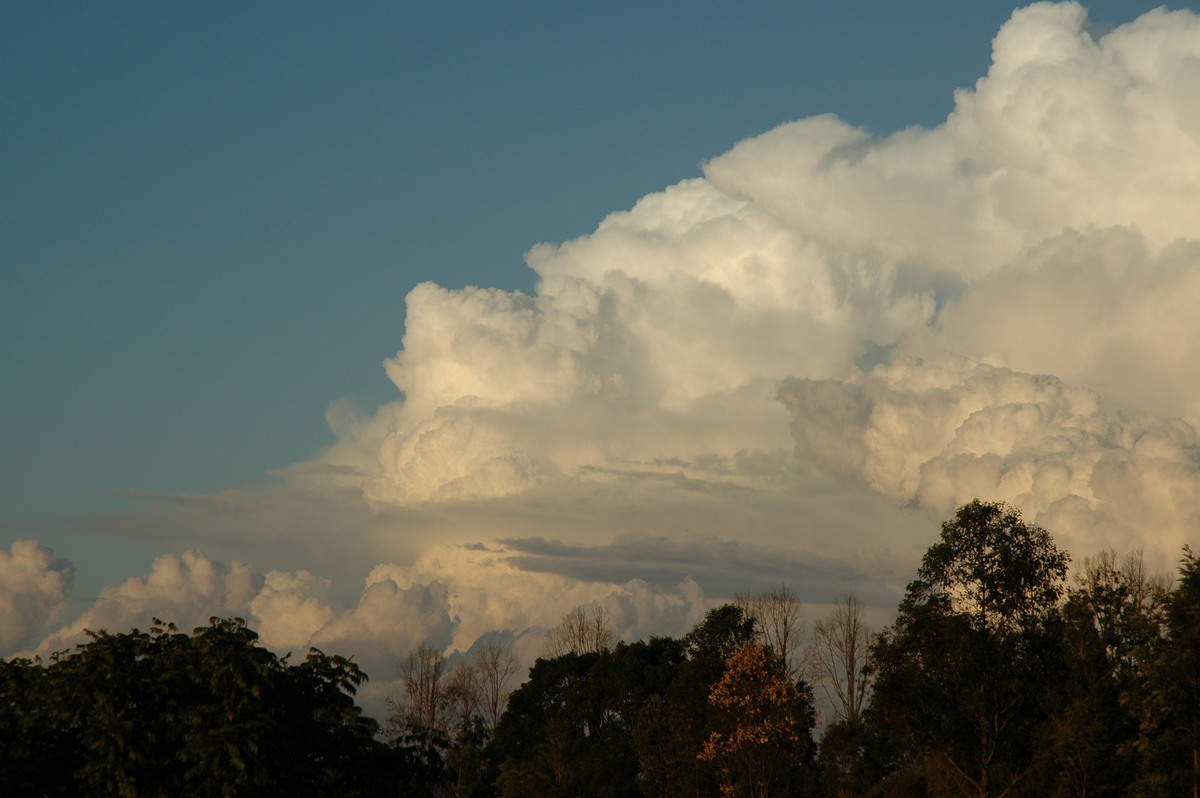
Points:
[(848, 762), (1110, 623), (1082, 751), (633, 721), (962, 672), (466, 768), (675, 725), (1168, 704), (992, 569), (165, 713), (723, 631), (35, 754), (569, 730), (989, 685)]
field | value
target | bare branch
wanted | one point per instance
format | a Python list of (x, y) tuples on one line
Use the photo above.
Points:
[(779, 615), (495, 667), (839, 652), (582, 631)]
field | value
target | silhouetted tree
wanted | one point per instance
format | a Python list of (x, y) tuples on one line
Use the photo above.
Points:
[(962, 669), (779, 621), (568, 731), (840, 644), (1168, 705), (848, 766), (581, 631), (494, 669), (166, 713), (1110, 625)]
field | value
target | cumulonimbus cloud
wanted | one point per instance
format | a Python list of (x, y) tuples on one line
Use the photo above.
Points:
[(814, 248), (813, 352)]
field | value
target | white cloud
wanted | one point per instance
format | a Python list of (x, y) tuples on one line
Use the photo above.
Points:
[(940, 433), (1096, 308), (814, 247), (33, 591), (290, 608), (449, 598), (185, 589), (619, 437)]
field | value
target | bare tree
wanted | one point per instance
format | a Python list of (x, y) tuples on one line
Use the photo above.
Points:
[(839, 652), (580, 632), (438, 701), (421, 710), (1142, 586), (495, 667), (779, 615), (1123, 599), (462, 696)]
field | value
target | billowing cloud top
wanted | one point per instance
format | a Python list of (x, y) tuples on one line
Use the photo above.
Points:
[(1049, 226), (33, 590), (788, 370)]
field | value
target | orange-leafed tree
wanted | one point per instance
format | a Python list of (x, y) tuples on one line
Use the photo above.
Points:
[(762, 745)]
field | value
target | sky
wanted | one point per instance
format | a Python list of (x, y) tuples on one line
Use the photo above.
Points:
[(377, 324)]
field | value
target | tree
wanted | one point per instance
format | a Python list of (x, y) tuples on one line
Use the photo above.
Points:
[(166, 713), (975, 636), (1168, 706), (846, 757), (779, 617), (675, 723), (840, 644), (631, 720), (445, 714), (581, 632), (494, 670), (763, 734), (991, 568), (41, 752), (466, 730), (420, 714), (569, 730), (713, 641), (1110, 623)]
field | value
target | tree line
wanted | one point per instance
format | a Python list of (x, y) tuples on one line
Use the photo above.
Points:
[(998, 677)]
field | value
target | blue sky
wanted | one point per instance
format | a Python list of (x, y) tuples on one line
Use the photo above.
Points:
[(213, 213)]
